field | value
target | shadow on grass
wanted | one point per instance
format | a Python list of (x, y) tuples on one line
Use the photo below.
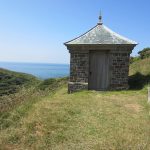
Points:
[(138, 81)]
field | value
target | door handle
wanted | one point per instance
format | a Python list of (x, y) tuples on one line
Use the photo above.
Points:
[(90, 72)]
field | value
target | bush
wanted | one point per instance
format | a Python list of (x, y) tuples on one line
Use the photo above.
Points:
[(52, 83), (145, 53), (11, 82), (134, 59), (138, 80)]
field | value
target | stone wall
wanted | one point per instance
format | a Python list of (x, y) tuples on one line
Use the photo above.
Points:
[(79, 68), (119, 65)]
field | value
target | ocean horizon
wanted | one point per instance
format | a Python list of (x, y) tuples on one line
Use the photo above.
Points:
[(40, 70)]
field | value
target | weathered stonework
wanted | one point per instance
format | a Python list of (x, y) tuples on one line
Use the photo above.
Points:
[(118, 74), (79, 69), (119, 71), (77, 86)]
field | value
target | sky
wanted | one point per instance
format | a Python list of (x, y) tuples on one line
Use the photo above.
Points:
[(35, 30)]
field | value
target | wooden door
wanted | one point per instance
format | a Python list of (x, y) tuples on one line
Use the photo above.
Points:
[(99, 71)]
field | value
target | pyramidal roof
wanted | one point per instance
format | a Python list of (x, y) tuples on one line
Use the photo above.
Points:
[(100, 34)]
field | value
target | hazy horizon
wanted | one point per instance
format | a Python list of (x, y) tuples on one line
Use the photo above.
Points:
[(40, 70), (34, 62)]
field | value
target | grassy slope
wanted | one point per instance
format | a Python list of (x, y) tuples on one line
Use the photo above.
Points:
[(142, 66), (83, 120), (10, 81), (139, 74)]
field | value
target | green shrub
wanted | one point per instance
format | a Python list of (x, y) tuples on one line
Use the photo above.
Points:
[(145, 53), (134, 59), (11, 82), (52, 83), (138, 80)]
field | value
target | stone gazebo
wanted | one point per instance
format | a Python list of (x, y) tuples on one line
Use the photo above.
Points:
[(99, 60)]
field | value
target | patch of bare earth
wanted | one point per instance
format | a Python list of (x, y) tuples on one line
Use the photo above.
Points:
[(10, 147), (134, 107)]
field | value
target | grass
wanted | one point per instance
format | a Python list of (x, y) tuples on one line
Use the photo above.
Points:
[(49, 118), (142, 66), (83, 120), (11, 82), (35, 91), (139, 74)]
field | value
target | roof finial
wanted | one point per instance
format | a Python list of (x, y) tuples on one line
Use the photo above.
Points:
[(100, 19)]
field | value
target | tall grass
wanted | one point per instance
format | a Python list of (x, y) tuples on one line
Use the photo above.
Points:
[(11, 82), (28, 93), (142, 66), (139, 74)]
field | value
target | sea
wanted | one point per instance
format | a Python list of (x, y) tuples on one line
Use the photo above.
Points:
[(40, 70)]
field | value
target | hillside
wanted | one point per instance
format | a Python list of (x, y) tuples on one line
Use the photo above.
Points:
[(83, 120), (141, 66), (11, 82), (49, 118), (139, 74)]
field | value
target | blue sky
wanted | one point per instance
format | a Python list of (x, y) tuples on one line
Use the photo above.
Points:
[(35, 30)]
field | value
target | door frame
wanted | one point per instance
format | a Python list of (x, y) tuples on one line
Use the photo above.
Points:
[(109, 68)]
